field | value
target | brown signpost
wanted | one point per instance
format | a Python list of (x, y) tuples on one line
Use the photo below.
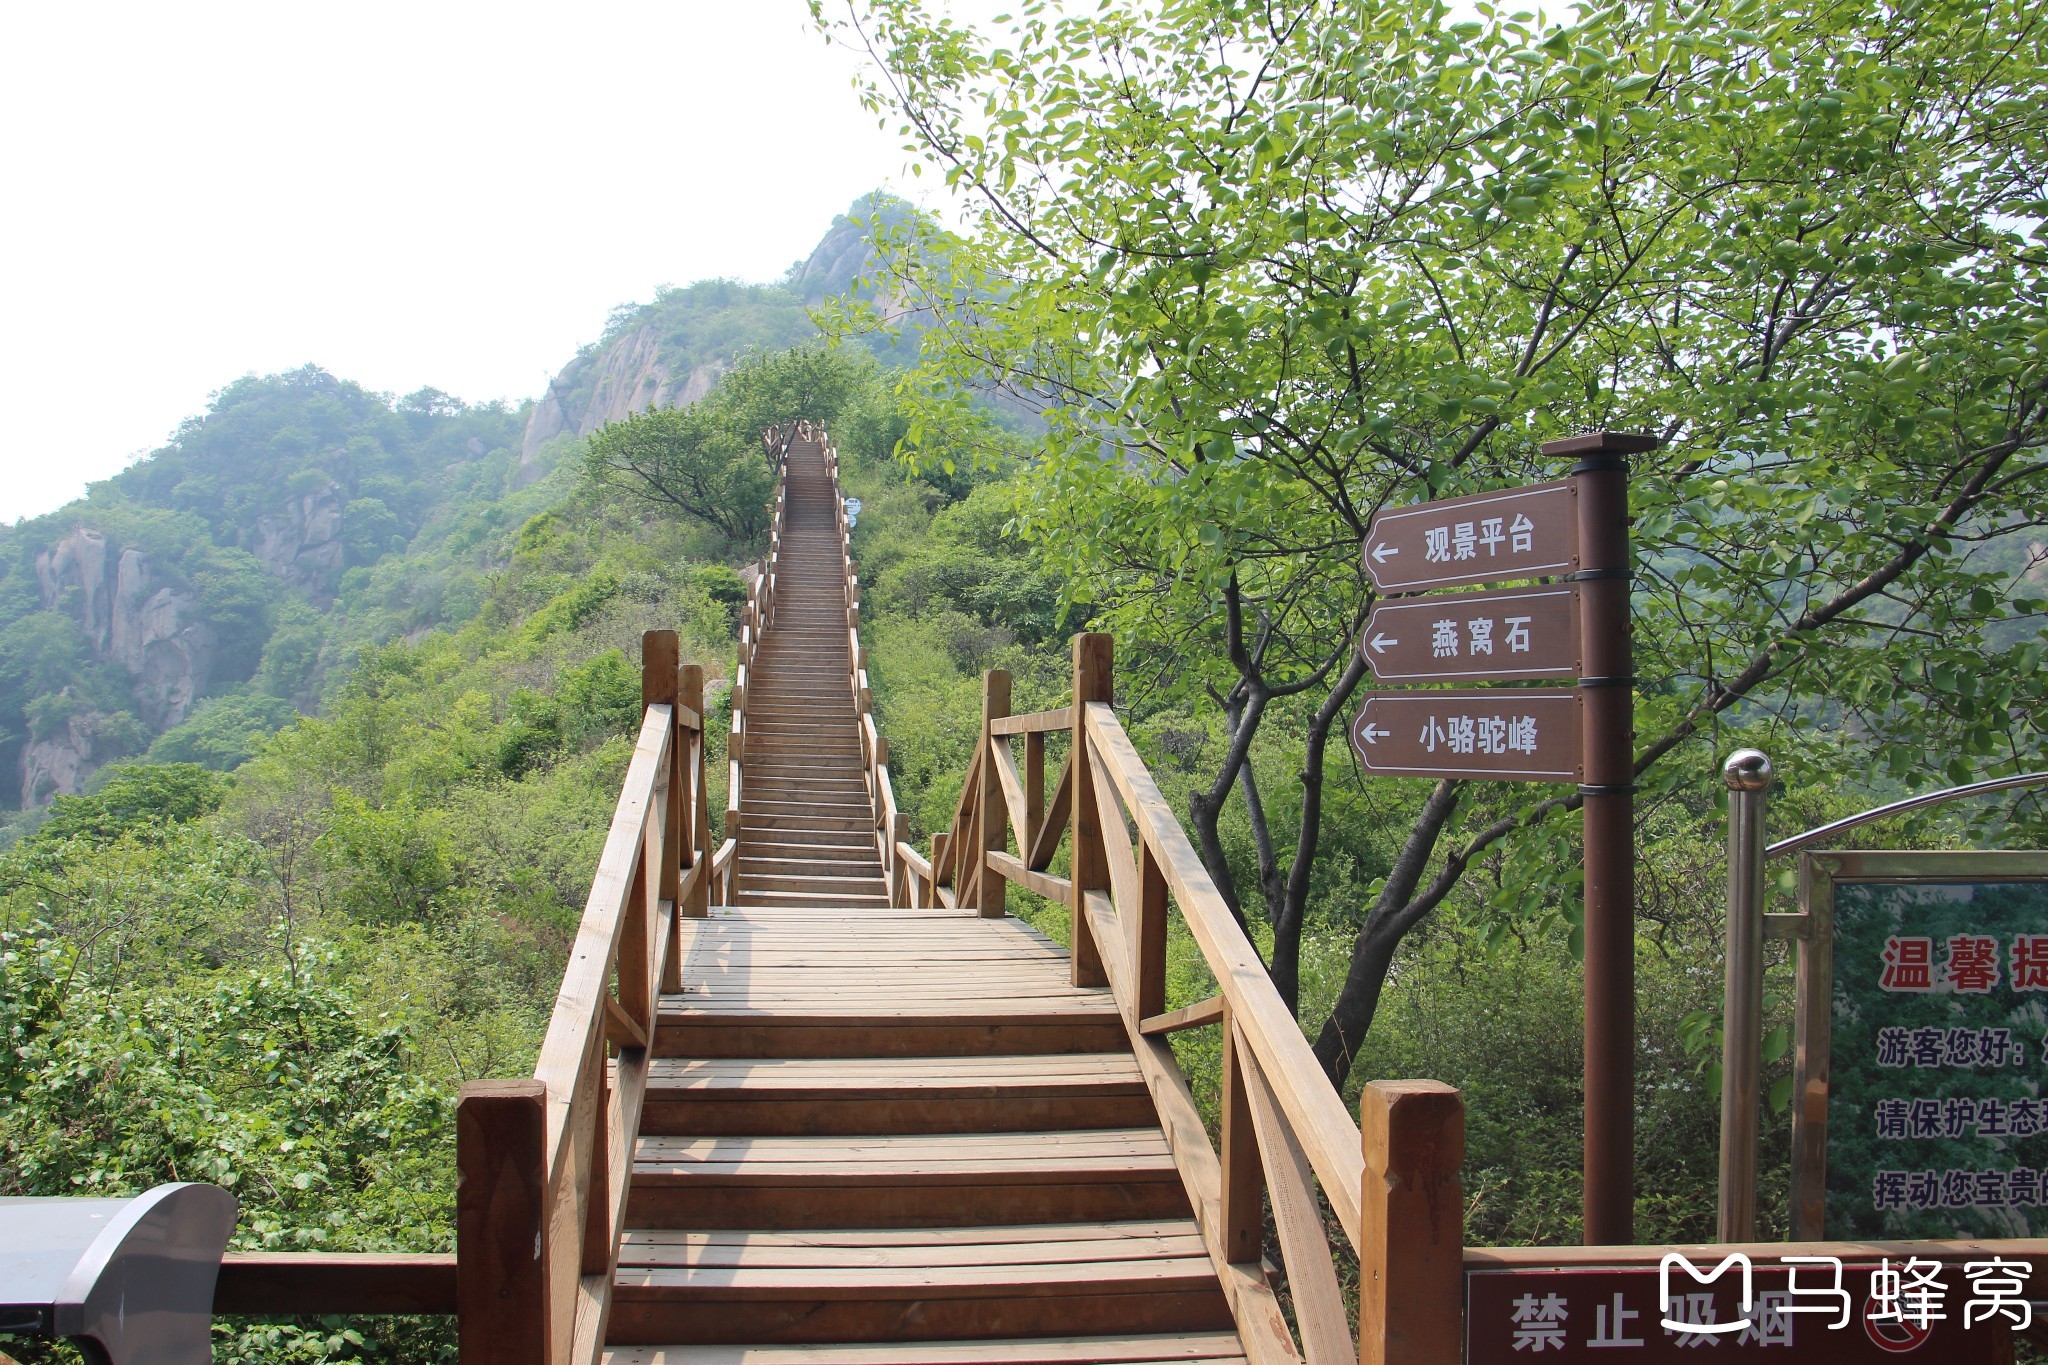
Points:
[(1574, 529), (1516, 634), (1484, 538), (1498, 734)]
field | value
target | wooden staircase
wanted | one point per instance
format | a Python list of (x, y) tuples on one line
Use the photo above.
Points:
[(874, 1133), (814, 1097), (807, 825)]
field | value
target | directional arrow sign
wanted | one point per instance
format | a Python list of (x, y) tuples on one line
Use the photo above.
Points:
[(1506, 734), (1477, 636), (1484, 538)]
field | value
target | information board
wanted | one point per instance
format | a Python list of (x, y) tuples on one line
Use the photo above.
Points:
[(1936, 1057)]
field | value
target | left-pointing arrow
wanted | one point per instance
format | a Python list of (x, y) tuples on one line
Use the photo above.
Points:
[(1371, 734), (1380, 642)]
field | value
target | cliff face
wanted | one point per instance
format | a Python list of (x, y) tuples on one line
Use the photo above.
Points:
[(302, 544), (149, 628), (629, 375)]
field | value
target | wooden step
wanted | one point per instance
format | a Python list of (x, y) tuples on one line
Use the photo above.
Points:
[(795, 1096), (796, 847), (1215, 1348), (746, 895), (1145, 1277), (903, 1180), (854, 862), (812, 886)]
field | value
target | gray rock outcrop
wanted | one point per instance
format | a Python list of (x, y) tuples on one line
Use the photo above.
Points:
[(302, 543)]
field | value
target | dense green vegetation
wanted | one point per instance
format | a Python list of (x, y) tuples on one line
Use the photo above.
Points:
[(276, 979), (1803, 247), (1272, 269), (209, 589)]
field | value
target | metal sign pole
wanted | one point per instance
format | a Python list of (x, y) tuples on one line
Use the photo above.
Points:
[(1607, 786), (1748, 774)]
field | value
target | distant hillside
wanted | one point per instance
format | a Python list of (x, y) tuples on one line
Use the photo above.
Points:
[(202, 598), (670, 352)]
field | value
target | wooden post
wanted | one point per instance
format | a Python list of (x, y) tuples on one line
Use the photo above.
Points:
[(1243, 1202), (1148, 938), (636, 939), (696, 837), (501, 1222), (1034, 793), (1411, 1284), (660, 654), (1092, 682), (993, 816)]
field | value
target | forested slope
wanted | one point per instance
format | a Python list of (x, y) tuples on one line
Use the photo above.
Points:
[(203, 597)]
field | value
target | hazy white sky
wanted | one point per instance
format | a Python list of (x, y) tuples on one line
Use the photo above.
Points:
[(417, 193)]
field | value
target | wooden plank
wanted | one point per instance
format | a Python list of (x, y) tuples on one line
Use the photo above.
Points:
[(501, 1222), (1169, 1306), (693, 898), (1202, 1012), (770, 1283), (620, 1028), (992, 805), (914, 860), (627, 1094), (1312, 1107), (1260, 1324), (1240, 1210), (1055, 889), (660, 685), (1147, 920), (825, 1254), (1090, 865), (1298, 1222), (1053, 827), (1037, 722), (1012, 784), (352, 1283), (1002, 1233), (1218, 1348), (1116, 842)]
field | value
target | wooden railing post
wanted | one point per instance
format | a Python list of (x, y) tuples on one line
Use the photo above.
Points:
[(992, 819), (660, 660), (1243, 1202), (1092, 682), (502, 1303), (696, 839), (1411, 1278)]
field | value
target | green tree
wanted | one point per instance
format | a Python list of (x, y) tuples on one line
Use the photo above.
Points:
[(1271, 269), (814, 382), (690, 459), (145, 799)]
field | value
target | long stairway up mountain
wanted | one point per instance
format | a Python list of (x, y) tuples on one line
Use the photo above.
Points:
[(880, 1134), (807, 822)]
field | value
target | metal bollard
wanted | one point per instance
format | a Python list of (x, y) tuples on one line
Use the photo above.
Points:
[(1748, 775)]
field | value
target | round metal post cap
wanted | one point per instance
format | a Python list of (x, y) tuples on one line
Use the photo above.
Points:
[(1747, 770)]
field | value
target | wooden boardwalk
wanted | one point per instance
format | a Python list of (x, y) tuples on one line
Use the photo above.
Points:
[(880, 1134)]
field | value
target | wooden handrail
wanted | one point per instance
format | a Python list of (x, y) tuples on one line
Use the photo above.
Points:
[(1285, 1129), (546, 1163)]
